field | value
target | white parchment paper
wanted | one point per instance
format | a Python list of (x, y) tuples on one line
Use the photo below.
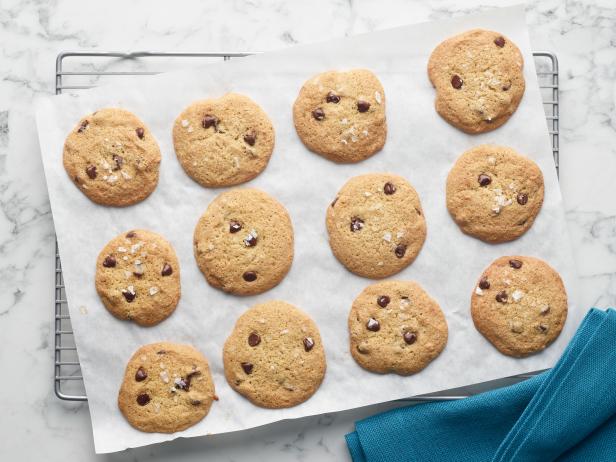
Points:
[(420, 146)]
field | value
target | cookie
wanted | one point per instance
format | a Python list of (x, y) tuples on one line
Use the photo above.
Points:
[(395, 326), (243, 243), (223, 141), (112, 157), (274, 356), (519, 304), (376, 225), (341, 115), (138, 277), (167, 388), (479, 80), (494, 193)]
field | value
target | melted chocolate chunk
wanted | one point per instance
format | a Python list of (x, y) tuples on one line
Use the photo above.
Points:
[(502, 297), (409, 337), (250, 241), (91, 171), (83, 126), (356, 224), (400, 250), (334, 201), (484, 180), (499, 42), (318, 114), (254, 339), (109, 261), (234, 226), (522, 198), (456, 82), (128, 295), (131, 234), (515, 264), (308, 343), (484, 283), (383, 301), (250, 138), (143, 399), (363, 106), (373, 325), (332, 98), (141, 374), (250, 276), (210, 121), (119, 161), (167, 270), (389, 189), (247, 367), (140, 132)]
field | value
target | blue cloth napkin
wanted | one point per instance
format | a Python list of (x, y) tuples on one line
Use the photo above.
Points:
[(566, 414)]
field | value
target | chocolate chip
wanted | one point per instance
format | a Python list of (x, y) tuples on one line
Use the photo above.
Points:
[(363, 106), (501, 297), (400, 250), (129, 295), (389, 189), (543, 328), (167, 270), (373, 325), (247, 367), (119, 161), (484, 283), (131, 234), (195, 402), (545, 309), (250, 138), (516, 264), (210, 121), (83, 126), (383, 301), (484, 179), (522, 198), (456, 82), (91, 171), (332, 98), (250, 276), (161, 352), (334, 201), (308, 343), (140, 132), (143, 399), (234, 226), (409, 337), (318, 114), (506, 86), (109, 261), (180, 384), (356, 224), (141, 374), (499, 42), (254, 339), (250, 240), (137, 274)]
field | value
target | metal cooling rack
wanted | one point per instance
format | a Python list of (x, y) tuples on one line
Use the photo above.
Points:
[(76, 71)]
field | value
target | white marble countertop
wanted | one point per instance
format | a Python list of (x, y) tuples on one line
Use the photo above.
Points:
[(35, 425)]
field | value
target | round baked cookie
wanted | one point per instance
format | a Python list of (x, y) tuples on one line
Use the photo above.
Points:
[(223, 141), (494, 193), (138, 277), (479, 80), (274, 356), (243, 243), (341, 115), (395, 326), (167, 388), (519, 304), (376, 225), (112, 157)]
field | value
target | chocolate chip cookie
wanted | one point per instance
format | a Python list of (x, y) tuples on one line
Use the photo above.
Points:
[(519, 304), (395, 326), (479, 80), (376, 225), (112, 157), (341, 115), (138, 277), (223, 141), (243, 243), (167, 388), (494, 193), (274, 356)]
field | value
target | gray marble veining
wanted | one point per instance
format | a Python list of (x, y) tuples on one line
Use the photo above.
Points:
[(35, 425)]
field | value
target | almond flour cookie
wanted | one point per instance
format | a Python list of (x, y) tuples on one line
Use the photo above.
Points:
[(341, 115), (519, 304), (376, 225), (167, 388), (494, 193), (138, 277), (112, 157), (395, 326), (274, 356), (243, 243), (223, 141), (478, 78)]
